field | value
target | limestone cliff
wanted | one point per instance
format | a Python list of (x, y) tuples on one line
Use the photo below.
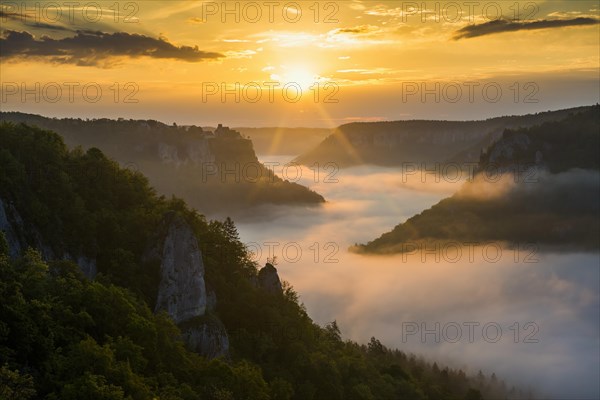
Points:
[(182, 291), (6, 225), (206, 336), (20, 235)]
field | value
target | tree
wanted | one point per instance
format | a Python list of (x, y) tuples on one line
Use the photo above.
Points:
[(230, 230), (375, 347), (3, 245), (14, 385), (333, 330), (272, 260), (473, 394)]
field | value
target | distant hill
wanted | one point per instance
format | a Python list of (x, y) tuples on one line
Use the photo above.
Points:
[(418, 141), (284, 141), (207, 169), (535, 185)]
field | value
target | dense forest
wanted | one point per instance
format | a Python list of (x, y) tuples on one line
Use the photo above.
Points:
[(63, 336), (210, 171), (536, 185), (394, 143)]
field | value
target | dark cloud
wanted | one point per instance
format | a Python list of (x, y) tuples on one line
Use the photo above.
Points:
[(94, 48), (501, 25)]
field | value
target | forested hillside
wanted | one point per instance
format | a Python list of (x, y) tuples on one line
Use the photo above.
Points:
[(211, 171), (395, 143), (63, 336), (537, 185)]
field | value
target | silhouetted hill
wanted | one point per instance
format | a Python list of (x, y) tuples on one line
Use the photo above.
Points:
[(210, 170), (417, 141), (536, 185)]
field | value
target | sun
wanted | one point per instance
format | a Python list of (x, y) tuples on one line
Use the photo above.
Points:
[(302, 76)]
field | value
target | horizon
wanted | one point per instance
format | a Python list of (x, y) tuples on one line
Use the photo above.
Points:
[(204, 126), (321, 64)]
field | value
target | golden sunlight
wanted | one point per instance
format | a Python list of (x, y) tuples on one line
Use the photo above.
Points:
[(301, 75)]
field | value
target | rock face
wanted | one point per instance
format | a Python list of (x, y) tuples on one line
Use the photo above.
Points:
[(207, 337), (16, 231), (182, 291), (268, 279), (6, 226), (87, 266), (211, 298)]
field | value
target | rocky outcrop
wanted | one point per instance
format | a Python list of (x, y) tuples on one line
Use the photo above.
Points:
[(9, 219), (206, 336), (20, 235), (182, 291), (268, 279), (211, 298), (87, 266)]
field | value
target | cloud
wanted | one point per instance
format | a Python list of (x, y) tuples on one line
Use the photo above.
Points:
[(360, 29), (501, 25), (195, 20), (89, 48)]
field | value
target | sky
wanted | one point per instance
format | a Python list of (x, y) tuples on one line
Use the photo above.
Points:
[(305, 63)]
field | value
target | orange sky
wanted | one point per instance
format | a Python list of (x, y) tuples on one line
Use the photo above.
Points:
[(339, 61)]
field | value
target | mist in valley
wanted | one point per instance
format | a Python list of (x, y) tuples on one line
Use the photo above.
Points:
[(528, 315)]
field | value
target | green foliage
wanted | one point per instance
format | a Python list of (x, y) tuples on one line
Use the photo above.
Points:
[(15, 386), (538, 208), (232, 179), (65, 337), (3, 245), (572, 142)]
